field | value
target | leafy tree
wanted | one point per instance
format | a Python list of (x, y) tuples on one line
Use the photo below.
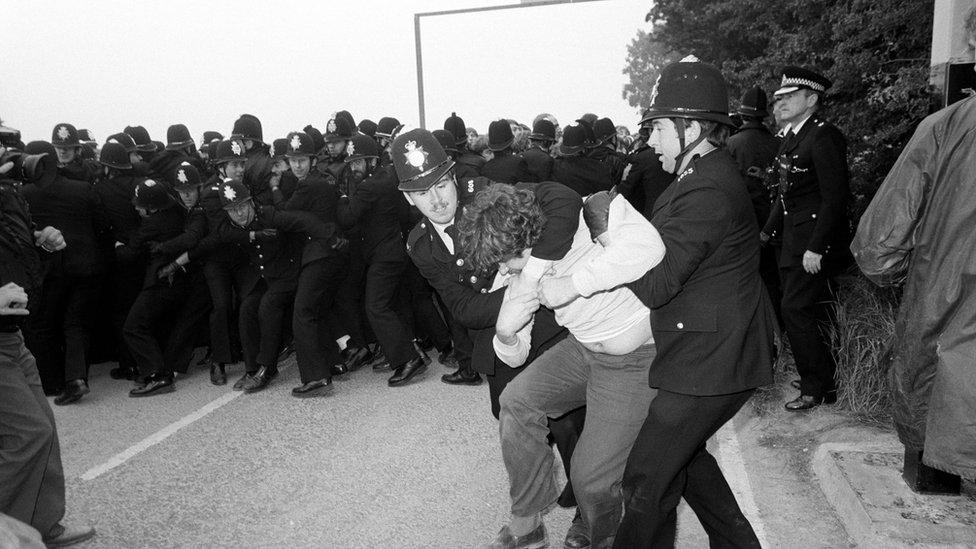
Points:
[(876, 53)]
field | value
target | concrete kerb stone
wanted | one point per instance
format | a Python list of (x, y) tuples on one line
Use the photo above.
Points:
[(864, 486)]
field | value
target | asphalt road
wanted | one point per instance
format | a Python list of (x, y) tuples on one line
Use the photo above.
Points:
[(367, 466)]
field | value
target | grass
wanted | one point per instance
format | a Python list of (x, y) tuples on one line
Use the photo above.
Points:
[(861, 342)]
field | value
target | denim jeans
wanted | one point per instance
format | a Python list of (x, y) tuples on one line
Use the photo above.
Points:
[(616, 395)]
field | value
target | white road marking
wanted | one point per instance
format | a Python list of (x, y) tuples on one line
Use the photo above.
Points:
[(158, 436), (730, 459)]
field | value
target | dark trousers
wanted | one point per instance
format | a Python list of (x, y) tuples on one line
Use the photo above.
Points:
[(348, 315), (224, 279), (263, 314), (59, 327), (807, 315), (383, 280), (318, 285), (668, 462), (126, 283), (427, 320), (161, 327), (31, 477)]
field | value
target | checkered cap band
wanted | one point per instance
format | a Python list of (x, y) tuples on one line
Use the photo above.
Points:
[(802, 82)]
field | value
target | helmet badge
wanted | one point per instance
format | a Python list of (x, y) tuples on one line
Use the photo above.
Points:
[(416, 156), (63, 132), (350, 149), (181, 176), (229, 193), (296, 142), (236, 147)]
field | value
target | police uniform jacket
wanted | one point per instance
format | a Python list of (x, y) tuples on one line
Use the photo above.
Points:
[(614, 162), (316, 196), (810, 212), (644, 179), (539, 163), (278, 260), (582, 174), (466, 292), (711, 317), (469, 158), (157, 227), (80, 169), (72, 207), (257, 172), (507, 168), (19, 259), (378, 207), (115, 194), (195, 229), (214, 247), (754, 149)]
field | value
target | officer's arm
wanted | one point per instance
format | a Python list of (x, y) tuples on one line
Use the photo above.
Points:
[(351, 209), (195, 230), (830, 162), (470, 308), (695, 224), (301, 222)]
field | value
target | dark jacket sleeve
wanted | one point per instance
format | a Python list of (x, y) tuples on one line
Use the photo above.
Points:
[(693, 227), (300, 222), (830, 161), (562, 207), (196, 229)]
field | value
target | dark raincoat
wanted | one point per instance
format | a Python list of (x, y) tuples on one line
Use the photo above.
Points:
[(921, 229)]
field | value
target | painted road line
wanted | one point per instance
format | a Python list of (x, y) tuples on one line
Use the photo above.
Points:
[(158, 436), (730, 458)]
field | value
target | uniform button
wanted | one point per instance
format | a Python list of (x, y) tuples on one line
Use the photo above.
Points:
[(474, 279), (681, 326), (814, 216), (484, 290), (423, 225), (460, 262)]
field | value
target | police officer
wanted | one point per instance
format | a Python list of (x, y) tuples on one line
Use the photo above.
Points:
[(323, 266), (143, 142), (61, 320), (375, 204), (605, 149), (65, 139), (810, 215), (427, 179), (115, 187), (455, 125), (754, 148), (180, 148), (385, 129), (504, 166), (537, 156), (643, 179), (257, 170), (338, 130), (575, 169), (157, 346), (273, 241)]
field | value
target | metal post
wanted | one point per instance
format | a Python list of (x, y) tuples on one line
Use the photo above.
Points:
[(420, 69)]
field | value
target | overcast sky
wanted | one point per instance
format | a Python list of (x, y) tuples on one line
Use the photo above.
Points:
[(106, 64)]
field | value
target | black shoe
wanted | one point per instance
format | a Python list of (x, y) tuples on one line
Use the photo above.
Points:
[(155, 385), (239, 384), (463, 376), (217, 374), (338, 370), (63, 536), (123, 372), (355, 358), (319, 387), (206, 357), (407, 371), (808, 402), (286, 351), (418, 346), (447, 358), (261, 379), (578, 535), (73, 391)]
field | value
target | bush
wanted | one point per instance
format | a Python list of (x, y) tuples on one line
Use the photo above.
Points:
[(861, 341)]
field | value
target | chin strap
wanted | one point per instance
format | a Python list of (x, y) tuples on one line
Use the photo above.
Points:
[(680, 126)]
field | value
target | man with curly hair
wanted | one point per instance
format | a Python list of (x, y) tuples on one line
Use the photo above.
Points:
[(603, 363)]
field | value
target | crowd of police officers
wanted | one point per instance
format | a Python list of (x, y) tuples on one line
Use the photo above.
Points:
[(254, 249)]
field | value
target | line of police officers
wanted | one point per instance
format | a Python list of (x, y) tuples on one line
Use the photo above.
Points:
[(258, 248)]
